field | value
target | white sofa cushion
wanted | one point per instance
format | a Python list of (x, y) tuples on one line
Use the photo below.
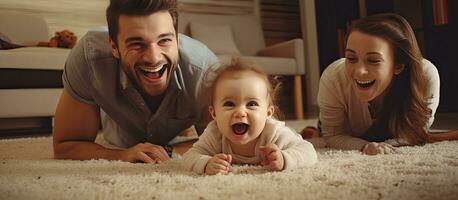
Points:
[(271, 65), (217, 37), (247, 30), (34, 58), (24, 29)]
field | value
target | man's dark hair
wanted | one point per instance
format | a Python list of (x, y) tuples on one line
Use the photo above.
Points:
[(137, 8)]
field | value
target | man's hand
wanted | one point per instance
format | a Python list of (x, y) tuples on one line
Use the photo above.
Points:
[(273, 157), (375, 148), (220, 163), (145, 152)]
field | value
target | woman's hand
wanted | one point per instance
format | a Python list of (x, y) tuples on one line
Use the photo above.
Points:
[(220, 163), (273, 157), (375, 148)]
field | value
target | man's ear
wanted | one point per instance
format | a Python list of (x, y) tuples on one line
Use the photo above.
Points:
[(399, 68), (114, 49), (270, 111), (212, 111)]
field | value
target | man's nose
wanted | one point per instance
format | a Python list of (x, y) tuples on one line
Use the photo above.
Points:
[(153, 53)]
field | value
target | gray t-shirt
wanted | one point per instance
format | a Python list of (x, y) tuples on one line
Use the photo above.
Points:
[(93, 76)]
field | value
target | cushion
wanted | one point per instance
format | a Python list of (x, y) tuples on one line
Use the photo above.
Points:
[(217, 37), (4, 37), (270, 65), (34, 58)]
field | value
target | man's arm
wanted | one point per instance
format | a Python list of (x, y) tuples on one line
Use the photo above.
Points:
[(75, 130)]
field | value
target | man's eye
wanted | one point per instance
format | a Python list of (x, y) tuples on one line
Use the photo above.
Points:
[(229, 104), (165, 41), (252, 104), (136, 45)]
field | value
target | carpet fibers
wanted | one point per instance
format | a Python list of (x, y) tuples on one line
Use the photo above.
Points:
[(27, 171)]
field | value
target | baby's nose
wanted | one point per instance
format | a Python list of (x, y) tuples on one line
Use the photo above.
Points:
[(239, 113)]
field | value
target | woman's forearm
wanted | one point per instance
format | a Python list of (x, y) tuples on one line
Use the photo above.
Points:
[(437, 137)]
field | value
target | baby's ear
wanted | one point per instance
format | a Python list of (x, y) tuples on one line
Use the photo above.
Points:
[(212, 111), (270, 111)]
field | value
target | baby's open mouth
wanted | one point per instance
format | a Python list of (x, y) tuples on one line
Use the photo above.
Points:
[(365, 84), (240, 128)]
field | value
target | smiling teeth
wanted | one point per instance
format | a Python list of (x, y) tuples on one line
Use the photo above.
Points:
[(153, 70), (364, 82)]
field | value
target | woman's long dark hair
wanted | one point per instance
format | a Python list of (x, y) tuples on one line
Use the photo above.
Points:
[(405, 111)]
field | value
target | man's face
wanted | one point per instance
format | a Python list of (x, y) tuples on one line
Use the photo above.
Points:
[(148, 50)]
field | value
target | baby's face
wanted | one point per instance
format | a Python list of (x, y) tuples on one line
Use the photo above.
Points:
[(240, 106)]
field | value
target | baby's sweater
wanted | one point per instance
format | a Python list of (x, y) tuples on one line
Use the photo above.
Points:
[(296, 151)]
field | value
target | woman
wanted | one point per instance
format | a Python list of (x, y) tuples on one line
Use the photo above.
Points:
[(383, 93)]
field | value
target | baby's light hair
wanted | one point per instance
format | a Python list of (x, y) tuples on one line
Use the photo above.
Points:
[(238, 64)]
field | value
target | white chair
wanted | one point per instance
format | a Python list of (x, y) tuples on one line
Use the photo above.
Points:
[(227, 35)]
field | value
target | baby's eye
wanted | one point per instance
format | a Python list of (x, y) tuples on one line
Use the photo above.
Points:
[(229, 104), (252, 104)]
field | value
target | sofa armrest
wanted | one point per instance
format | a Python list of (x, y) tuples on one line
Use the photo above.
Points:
[(288, 49)]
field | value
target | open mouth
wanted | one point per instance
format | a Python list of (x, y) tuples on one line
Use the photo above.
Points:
[(365, 84), (240, 128), (153, 72)]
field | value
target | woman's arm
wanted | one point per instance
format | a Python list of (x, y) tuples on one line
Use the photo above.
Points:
[(332, 104), (433, 88), (438, 137)]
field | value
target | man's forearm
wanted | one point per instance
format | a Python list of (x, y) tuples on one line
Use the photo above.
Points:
[(85, 150)]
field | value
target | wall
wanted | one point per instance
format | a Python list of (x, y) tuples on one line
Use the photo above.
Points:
[(81, 15), (77, 16)]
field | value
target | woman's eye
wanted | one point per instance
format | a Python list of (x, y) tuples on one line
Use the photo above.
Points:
[(252, 103), (229, 104), (374, 61), (351, 59)]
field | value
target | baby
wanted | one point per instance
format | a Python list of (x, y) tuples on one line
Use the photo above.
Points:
[(243, 130)]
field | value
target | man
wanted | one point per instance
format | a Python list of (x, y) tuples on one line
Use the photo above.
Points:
[(149, 88)]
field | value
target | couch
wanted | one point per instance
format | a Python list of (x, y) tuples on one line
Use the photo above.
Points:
[(242, 35), (30, 77)]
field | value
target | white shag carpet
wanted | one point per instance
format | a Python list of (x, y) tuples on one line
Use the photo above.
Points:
[(28, 171)]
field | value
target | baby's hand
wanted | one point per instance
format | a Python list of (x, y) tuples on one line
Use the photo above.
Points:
[(220, 163), (375, 148), (273, 157)]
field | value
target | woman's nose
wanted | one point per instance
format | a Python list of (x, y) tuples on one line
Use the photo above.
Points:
[(361, 69)]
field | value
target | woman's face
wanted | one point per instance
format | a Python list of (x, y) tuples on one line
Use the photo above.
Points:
[(370, 65)]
